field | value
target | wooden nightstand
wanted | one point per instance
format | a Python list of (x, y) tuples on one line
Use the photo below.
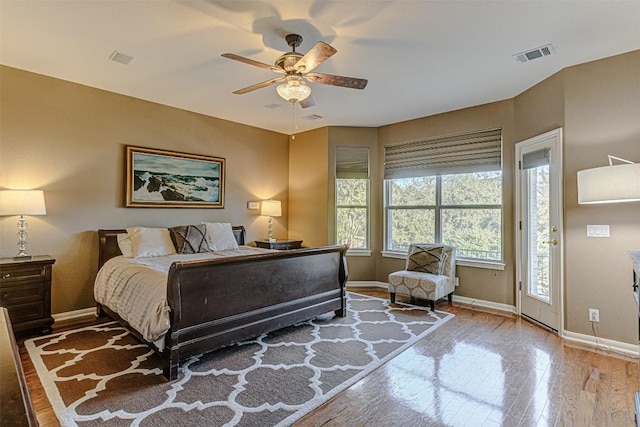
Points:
[(280, 245), (25, 290)]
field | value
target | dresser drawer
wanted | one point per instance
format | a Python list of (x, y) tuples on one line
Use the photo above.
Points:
[(24, 272), (16, 295)]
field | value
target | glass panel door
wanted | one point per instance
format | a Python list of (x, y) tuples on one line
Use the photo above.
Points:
[(538, 233)]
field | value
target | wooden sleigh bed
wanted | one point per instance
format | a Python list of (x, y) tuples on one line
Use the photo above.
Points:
[(215, 303)]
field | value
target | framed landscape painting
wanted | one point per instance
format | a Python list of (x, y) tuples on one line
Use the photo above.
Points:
[(167, 179)]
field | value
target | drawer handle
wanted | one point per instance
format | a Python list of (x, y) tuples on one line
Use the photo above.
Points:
[(6, 275), (5, 295)]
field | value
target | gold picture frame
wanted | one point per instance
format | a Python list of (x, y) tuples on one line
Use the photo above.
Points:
[(169, 179)]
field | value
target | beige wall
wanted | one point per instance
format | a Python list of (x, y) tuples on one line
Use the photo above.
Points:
[(68, 140), (481, 283), (602, 116), (308, 187)]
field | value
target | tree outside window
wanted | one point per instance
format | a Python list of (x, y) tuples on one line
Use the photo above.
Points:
[(352, 212), (463, 210)]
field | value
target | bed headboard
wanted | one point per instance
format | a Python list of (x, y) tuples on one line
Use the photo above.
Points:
[(108, 242)]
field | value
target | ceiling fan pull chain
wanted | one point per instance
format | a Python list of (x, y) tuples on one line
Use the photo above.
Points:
[(294, 124)]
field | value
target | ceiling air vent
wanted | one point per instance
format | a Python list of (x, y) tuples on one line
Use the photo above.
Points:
[(536, 53), (312, 117), (272, 106), (120, 57)]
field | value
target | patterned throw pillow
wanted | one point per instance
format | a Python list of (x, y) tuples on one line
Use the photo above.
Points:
[(189, 239), (427, 259)]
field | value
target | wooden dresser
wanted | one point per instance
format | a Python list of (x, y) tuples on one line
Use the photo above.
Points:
[(15, 402), (25, 290)]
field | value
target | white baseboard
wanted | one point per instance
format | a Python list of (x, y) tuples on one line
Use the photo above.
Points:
[(85, 312), (474, 302), (367, 284), (626, 349)]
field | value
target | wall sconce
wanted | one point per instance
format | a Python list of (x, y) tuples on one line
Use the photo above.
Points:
[(610, 184), (22, 202), (271, 208)]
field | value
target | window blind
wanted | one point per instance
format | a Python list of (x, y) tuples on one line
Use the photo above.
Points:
[(352, 162), (536, 158), (478, 151)]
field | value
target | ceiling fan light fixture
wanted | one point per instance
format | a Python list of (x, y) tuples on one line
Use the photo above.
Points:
[(295, 90)]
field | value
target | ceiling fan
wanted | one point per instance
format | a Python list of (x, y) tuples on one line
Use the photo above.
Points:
[(296, 70)]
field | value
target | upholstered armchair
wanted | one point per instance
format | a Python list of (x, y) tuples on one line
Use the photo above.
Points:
[(430, 273)]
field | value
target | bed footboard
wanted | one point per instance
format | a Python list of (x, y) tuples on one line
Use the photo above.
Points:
[(216, 303)]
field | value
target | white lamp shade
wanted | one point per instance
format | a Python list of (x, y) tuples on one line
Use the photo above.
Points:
[(22, 202), (271, 208), (609, 184)]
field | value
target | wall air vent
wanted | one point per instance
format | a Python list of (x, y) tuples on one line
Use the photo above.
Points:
[(120, 57), (312, 117), (536, 53)]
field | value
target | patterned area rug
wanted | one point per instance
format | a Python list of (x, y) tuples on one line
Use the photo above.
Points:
[(101, 375)]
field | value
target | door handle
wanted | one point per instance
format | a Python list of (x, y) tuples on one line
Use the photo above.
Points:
[(552, 242)]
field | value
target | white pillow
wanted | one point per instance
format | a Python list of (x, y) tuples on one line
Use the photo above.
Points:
[(150, 242), (220, 236), (125, 245)]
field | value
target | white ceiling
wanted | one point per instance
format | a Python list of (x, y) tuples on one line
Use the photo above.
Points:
[(420, 57)]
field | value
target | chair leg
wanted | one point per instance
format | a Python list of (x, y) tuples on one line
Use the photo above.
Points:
[(392, 296), (432, 305)]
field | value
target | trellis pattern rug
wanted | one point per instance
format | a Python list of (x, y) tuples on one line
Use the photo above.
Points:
[(101, 375)]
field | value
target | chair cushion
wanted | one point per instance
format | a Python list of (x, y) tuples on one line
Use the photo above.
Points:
[(426, 259), (420, 285)]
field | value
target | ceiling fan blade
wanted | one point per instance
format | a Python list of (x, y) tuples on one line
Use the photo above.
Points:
[(316, 56), (308, 102), (254, 63), (328, 79), (258, 86)]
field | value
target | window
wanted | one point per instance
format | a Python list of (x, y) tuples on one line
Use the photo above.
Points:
[(352, 197), (446, 190)]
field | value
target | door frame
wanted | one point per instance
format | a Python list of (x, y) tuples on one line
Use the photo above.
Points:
[(557, 134)]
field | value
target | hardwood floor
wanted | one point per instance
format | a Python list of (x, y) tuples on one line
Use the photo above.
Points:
[(478, 369)]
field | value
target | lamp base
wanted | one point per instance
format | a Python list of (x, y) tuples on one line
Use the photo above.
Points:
[(271, 239), (22, 257)]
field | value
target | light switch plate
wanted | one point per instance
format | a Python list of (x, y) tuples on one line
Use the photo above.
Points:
[(253, 205), (597, 231)]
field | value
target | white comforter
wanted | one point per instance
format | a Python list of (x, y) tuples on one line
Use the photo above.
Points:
[(136, 289)]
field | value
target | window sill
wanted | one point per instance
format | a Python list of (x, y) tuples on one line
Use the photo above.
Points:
[(358, 252), (492, 265)]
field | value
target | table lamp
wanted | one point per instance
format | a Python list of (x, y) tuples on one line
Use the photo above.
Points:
[(271, 208), (22, 202)]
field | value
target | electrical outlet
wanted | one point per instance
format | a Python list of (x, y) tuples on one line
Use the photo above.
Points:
[(594, 315)]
